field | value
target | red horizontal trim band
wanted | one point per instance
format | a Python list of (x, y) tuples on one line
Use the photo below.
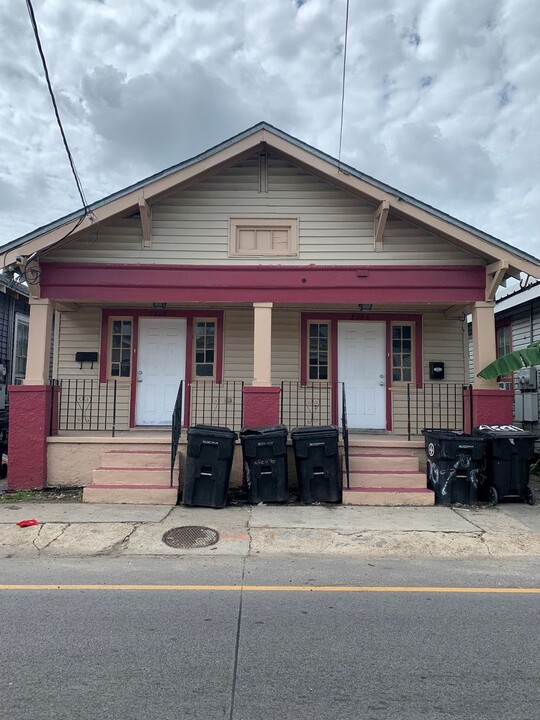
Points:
[(257, 283)]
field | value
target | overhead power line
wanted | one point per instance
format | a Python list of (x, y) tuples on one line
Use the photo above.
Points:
[(55, 106), (343, 80)]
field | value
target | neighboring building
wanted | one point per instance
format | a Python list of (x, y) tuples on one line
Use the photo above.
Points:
[(272, 280), (14, 320), (14, 312), (517, 319)]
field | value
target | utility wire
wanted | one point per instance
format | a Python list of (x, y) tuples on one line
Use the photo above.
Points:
[(55, 106), (343, 82)]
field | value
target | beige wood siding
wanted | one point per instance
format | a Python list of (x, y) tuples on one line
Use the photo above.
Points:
[(438, 403), (285, 346), (192, 225), (238, 345), (83, 398)]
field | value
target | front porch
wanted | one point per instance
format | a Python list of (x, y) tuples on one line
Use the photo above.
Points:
[(392, 467), (381, 374)]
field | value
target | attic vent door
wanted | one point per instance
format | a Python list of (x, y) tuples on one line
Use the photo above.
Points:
[(161, 364)]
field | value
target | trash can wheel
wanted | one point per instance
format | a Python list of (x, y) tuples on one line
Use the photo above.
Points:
[(493, 496), (530, 497)]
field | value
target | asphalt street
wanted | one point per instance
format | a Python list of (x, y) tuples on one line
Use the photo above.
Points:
[(140, 652)]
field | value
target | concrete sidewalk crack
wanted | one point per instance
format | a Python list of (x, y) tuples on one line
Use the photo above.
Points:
[(54, 539), (469, 521), (248, 530), (37, 538), (166, 516), (117, 547)]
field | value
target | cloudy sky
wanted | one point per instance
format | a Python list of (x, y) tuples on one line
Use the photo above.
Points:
[(442, 96)]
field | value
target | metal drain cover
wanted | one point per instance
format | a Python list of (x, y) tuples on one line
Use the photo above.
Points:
[(190, 536)]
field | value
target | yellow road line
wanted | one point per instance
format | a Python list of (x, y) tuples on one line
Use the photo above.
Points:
[(282, 588)]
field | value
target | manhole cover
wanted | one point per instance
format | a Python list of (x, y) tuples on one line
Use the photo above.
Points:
[(190, 536)]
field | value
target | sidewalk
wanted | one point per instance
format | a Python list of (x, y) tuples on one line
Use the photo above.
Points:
[(78, 530)]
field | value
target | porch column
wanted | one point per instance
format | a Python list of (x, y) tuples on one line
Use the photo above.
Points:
[(262, 344), (486, 404), (484, 342), (39, 342), (261, 400), (32, 406)]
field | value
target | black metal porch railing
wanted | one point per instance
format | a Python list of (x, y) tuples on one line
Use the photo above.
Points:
[(213, 403), (316, 404), (176, 426), (345, 432), (86, 405), (436, 405), (309, 404)]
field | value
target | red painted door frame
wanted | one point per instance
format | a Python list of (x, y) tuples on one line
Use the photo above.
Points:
[(135, 314), (388, 318)]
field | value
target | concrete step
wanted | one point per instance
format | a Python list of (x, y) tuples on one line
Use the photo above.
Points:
[(383, 462), (391, 444), (137, 458), (133, 476), (131, 494), (388, 496), (362, 479)]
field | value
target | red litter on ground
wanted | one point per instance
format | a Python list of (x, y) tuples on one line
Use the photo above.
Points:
[(27, 523)]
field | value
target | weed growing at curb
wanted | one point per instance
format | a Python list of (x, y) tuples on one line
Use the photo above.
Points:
[(46, 495)]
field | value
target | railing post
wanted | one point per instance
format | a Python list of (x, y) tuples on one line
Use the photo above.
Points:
[(114, 409), (408, 411), (345, 432), (176, 427)]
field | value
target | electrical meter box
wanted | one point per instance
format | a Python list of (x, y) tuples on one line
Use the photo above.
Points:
[(527, 379), (526, 407)]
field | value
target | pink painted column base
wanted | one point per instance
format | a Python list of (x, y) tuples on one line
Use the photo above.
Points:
[(490, 407), (29, 427), (261, 406)]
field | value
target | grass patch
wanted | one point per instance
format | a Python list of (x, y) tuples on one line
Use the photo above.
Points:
[(46, 495)]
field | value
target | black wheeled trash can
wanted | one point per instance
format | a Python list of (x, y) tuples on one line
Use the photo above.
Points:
[(316, 454), (509, 451), (454, 461), (266, 476), (210, 453)]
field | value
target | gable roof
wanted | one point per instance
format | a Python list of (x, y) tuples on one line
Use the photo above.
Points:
[(244, 144)]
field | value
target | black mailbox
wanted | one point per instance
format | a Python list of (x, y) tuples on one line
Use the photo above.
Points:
[(86, 357), (436, 370)]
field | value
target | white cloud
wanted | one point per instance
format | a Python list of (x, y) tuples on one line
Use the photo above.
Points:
[(442, 96)]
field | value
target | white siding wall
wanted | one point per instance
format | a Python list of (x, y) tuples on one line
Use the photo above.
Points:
[(192, 225)]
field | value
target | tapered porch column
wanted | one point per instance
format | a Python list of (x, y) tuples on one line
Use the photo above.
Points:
[(30, 411), (490, 404), (261, 400)]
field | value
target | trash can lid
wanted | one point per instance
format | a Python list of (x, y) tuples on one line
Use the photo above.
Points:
[(503, 431), (315, 430), (212, 430), (266, 430), (445, 433)]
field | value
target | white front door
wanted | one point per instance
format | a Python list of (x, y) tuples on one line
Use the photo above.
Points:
[(361, 366), (161, 364)]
